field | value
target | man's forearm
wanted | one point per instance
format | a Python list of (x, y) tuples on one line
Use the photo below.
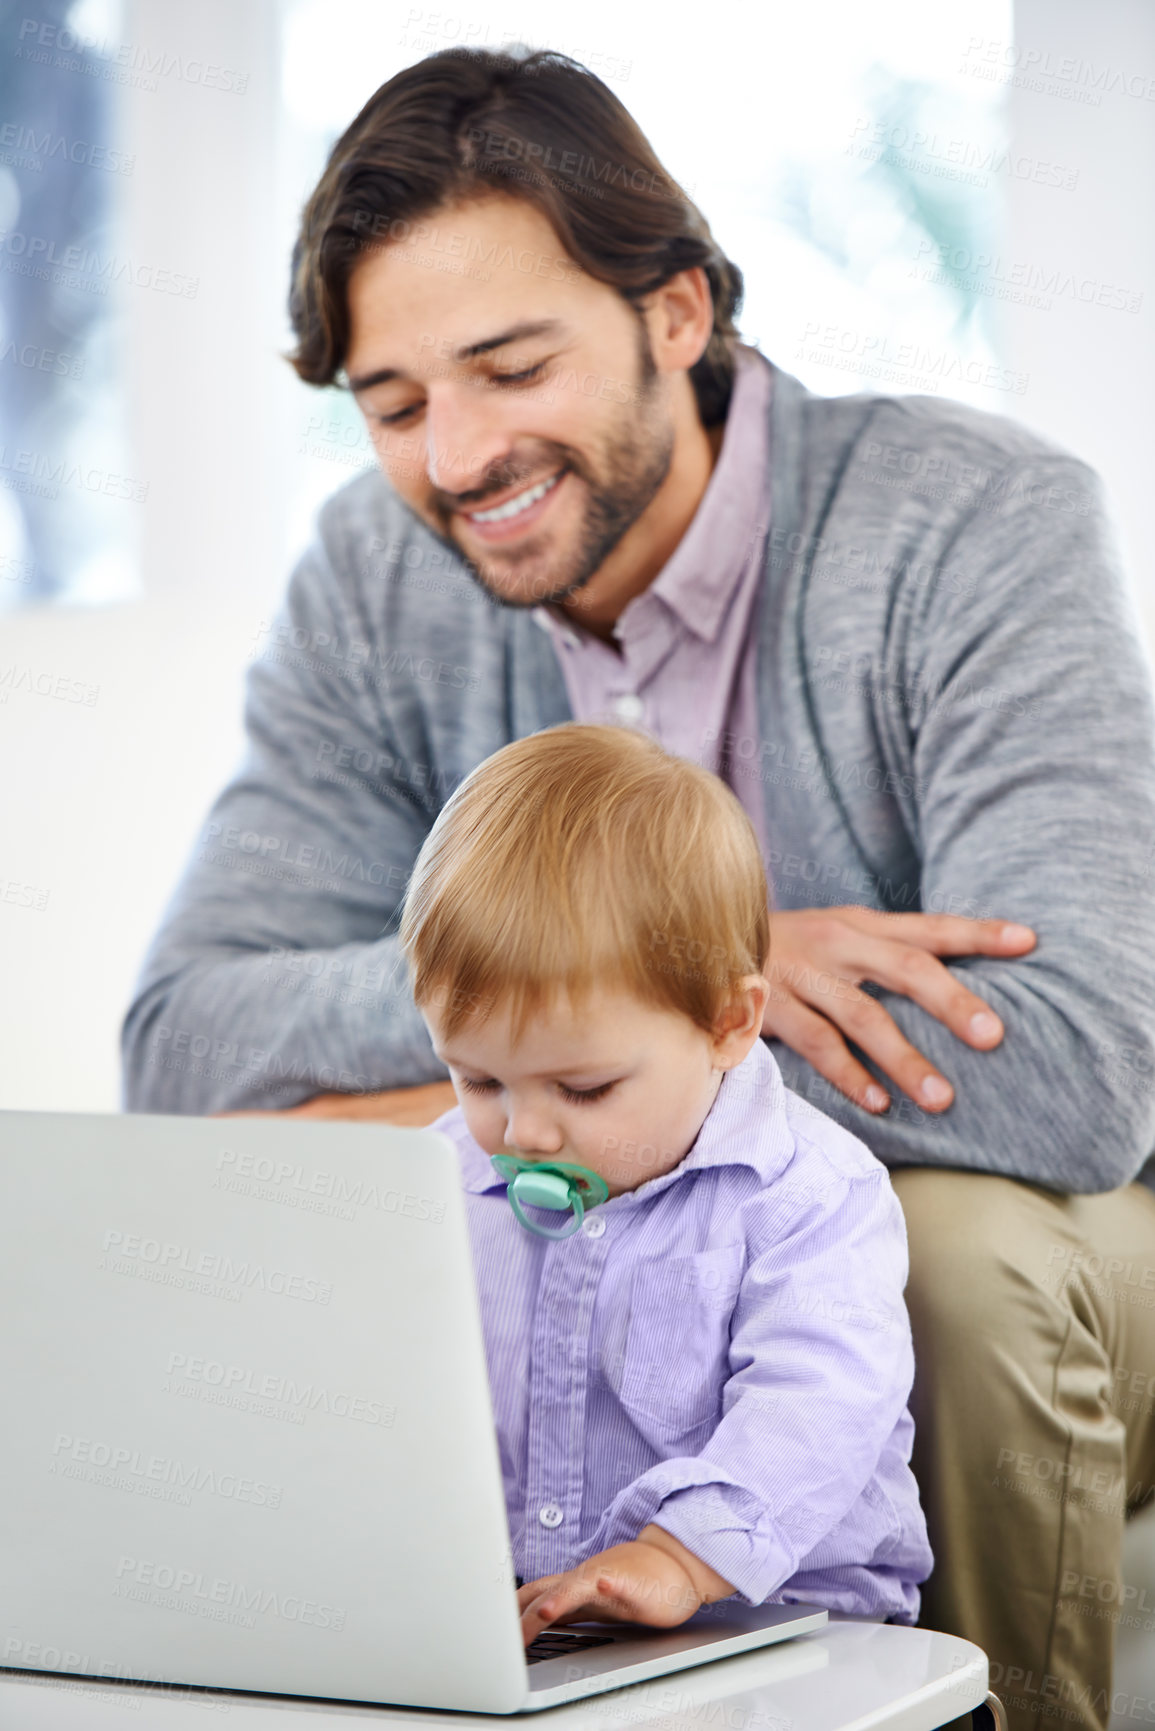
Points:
[(413, 1106), (1047, 1105), (272, 1030), (1011, 706)]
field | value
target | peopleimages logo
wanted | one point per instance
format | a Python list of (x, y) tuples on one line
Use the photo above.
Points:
[(192, 1584), (48, 43), (236, 1384), (131, 1464), (132, 1250), (236, 1168), (41, 256)]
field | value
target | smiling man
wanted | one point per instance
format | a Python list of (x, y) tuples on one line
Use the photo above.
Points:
[(595, 500), (895, 626)]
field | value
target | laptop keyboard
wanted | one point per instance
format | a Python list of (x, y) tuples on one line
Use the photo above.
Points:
[(557, 1643)]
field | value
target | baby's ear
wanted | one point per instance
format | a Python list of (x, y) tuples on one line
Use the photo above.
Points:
[(739, 1023)]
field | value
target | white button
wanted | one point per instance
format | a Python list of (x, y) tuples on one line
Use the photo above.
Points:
[(629, 707), (550, 1515), (593, 1226)]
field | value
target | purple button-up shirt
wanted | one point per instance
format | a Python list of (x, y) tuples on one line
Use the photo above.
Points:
[(687, 668), (724, 1350)]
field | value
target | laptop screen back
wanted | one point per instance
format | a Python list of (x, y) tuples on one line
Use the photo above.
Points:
[(248, 1439)]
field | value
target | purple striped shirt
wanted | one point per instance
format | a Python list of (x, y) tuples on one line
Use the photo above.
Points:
[(724, 1350), (687, 672)]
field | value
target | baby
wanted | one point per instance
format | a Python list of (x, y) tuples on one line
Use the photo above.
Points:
[(691, 1282)]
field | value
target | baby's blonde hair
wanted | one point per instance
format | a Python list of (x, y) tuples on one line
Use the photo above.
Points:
[(585, 856)]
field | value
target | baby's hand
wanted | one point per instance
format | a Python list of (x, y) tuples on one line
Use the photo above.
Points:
[(639, 1582)]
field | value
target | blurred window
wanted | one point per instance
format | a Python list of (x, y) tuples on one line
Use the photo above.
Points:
[(851, 159), (70, 497)]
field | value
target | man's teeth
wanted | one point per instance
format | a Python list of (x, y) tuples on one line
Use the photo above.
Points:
[(512, 507)]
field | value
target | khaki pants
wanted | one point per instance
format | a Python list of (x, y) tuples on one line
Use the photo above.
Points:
[(1033, 1317)]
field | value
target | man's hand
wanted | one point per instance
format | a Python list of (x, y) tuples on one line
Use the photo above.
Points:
[(653, 1580), (818, 960), (415, 1106)]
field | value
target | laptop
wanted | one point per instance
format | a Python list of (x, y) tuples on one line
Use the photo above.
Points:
[(248, 1441)]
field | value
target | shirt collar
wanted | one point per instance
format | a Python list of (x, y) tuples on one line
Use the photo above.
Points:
[(746, 1126), (698, 580)]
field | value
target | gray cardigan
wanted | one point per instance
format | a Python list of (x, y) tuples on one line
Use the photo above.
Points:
[(956, 716)]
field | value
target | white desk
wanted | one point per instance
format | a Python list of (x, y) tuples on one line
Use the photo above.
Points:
[(868, 1676)]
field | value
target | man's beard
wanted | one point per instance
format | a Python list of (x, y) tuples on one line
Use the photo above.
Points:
[(634, 461)]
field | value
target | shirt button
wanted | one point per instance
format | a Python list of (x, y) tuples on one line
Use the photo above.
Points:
[(630, 707), (550, 1515), (593, 1225)]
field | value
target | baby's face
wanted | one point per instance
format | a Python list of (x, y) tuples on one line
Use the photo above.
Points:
[(620, 1087)]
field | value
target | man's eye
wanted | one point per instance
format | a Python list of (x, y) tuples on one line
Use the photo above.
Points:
[(522, 378), (517, 378), (392, 420)]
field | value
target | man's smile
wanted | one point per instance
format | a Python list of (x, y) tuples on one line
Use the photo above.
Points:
[(517, 511)]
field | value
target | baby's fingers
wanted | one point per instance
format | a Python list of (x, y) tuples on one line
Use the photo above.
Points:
[(560, 1602), (532, 1590), (576, 1598)]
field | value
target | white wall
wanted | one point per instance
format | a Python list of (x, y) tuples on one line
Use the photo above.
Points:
[(99, 804), (1091, 367)]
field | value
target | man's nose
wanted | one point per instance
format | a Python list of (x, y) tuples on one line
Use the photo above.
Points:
[(464, 439)]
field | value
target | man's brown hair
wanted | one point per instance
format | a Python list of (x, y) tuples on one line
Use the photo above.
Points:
[(533, 124)]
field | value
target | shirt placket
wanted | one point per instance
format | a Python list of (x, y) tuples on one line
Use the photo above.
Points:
[(559, 1373), (646, 645)]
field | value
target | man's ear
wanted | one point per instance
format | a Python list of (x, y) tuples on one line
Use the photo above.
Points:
[(680, 318), (740, 1022)]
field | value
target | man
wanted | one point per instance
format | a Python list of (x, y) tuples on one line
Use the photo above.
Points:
[(896, 627)]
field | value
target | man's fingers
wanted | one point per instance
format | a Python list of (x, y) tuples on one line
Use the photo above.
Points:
[(903, 968), (942, 934), (876, 1033), (816, 1003), (921, 977), (816, 1039)]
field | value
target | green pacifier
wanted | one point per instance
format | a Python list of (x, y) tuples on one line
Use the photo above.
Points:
[(550, 1184)]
